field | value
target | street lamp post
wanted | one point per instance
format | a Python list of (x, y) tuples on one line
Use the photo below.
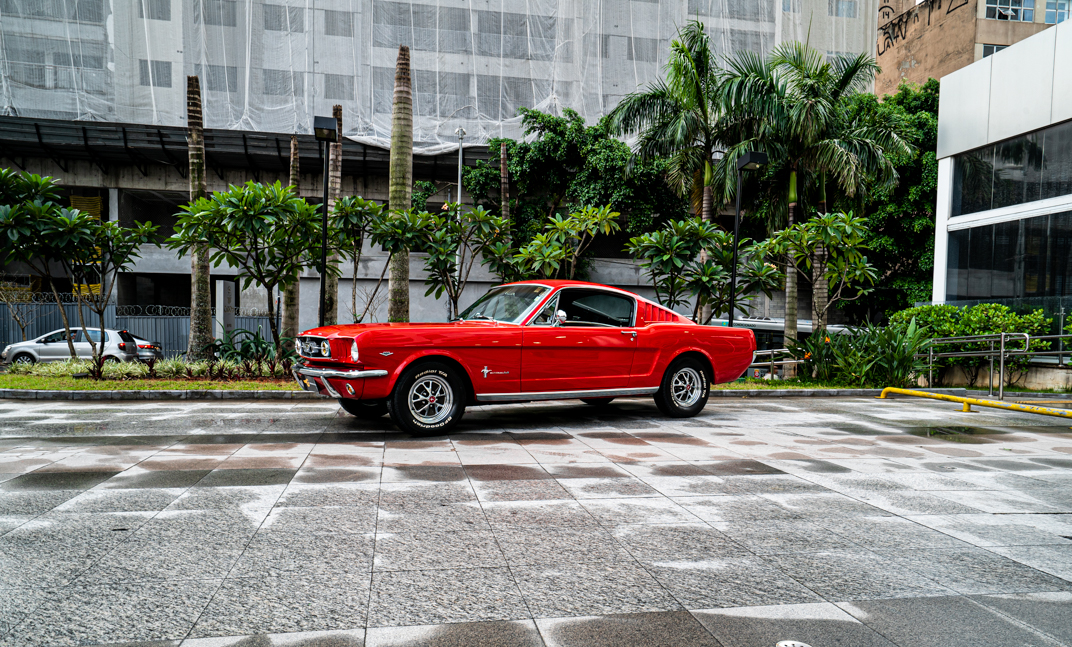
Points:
[(324, 130), (750, 161)]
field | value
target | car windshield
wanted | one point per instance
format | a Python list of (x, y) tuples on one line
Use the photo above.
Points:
[(508, 303)]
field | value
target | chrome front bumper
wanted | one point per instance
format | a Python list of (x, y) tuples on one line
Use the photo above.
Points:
[(306, 377)]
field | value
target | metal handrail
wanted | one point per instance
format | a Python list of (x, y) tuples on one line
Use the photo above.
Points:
[(976, 339)]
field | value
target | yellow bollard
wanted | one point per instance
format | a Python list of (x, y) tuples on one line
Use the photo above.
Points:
[(967, 402)]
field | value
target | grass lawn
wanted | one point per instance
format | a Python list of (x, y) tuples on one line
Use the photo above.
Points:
[(8, 381)]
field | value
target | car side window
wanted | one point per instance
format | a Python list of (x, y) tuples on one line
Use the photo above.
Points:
[(596, 308), (546, 317), (93, 334), (55, 337)]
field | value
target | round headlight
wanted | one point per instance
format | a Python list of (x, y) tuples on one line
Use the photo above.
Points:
[(354, 357), (325, 348)]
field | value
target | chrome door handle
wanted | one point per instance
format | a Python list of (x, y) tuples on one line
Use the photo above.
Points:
[(629, 332)]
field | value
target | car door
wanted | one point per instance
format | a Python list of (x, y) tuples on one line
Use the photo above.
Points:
[(54, 347), (591, 349)]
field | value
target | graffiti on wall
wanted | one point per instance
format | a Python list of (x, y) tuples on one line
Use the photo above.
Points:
[(895, 27)]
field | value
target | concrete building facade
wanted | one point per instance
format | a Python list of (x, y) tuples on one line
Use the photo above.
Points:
[(923, 39)]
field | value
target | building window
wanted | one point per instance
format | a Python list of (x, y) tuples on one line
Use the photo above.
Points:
[(1056, 11), (339, 86), (988, 50), (844, 8), (218, 78), (1031, 167), (154, 9), (155, 73), (280, 18), (223, 13), (791, 6), (338, 23), (1016, 10), (283, 83)]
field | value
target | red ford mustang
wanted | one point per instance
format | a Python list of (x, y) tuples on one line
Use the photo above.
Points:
[(535, 340)]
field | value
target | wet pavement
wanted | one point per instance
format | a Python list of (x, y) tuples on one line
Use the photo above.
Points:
[(850, 522)]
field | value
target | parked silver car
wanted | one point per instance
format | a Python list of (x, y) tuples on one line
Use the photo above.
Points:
[(119, 345), (148, 350)]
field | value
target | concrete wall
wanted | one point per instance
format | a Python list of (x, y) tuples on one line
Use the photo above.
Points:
[(921, 41)]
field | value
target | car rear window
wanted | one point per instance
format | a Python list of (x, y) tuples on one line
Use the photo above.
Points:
[(127, 337)]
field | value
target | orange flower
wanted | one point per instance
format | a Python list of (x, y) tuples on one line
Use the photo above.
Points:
[(807, 355), (828, 340)]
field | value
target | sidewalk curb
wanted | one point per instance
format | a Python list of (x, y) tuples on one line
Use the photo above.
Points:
[(230, 394), (815, 393)]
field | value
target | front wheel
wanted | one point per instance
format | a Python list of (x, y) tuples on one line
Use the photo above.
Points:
[(364, 409), (428, 399), (25, 359), (684, 389)]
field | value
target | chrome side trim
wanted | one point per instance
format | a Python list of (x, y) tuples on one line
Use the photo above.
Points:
[(346, 375), (565, 395), (331, 390)]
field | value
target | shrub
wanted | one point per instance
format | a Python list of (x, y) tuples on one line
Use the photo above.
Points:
[(864, 356)]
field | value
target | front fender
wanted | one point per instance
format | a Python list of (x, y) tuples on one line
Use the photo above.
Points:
[(377, 388)]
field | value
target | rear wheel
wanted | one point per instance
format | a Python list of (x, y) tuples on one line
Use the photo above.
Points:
[(364, 409), (24, 358), (684, 389), (428, 399), (597, 402)]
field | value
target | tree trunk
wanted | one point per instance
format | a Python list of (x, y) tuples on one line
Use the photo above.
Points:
[(201, 333), (331, 285), (707, 208), (504, 188), (791, 287), (820, 295), (401, 182), (292, 293)]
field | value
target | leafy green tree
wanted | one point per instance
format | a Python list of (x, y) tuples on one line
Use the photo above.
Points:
[(561, 166), (828, 250), (900, 218), (688, 259), (559, 250), (352, 219), (28, 211), (261, 230), (677, 117), (96, 252), (795, 104)]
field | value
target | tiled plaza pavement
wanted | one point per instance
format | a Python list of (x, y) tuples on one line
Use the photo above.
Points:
[(852, 522)]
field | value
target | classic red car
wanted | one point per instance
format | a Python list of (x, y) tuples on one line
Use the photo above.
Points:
[(534, 340)]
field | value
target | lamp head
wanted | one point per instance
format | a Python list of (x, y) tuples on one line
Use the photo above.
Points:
[(324, 129), (751, 161)]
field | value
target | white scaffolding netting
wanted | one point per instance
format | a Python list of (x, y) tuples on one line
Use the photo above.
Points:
[(270, 66)]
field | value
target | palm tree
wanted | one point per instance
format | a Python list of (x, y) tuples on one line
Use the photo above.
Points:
[(292, 293), (401, 182), (793, 104), (677, 117), (201, 332)]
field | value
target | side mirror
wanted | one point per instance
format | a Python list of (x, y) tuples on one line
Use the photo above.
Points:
[(560, 317), (42, 341)]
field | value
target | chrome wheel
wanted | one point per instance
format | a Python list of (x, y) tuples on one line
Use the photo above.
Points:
[(686, 387), (430, 399), (24, 359)]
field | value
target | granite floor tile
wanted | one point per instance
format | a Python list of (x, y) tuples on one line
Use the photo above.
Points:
[(819, 623), (200, 557), (562, 514), (515, 633), (823, 505), (399, 495), (144, 478), (995, 530), (339, 638), (83, 615), (612, 512), (345, 520), (317, 475), (976, 571), (893, 533), (854, 575), (1055, 560), (912, 503), (557, 545), (687, 541), (16, 604), (34, 502), (308, 496), (444, 596), (772, 484), (536, 490), (9, 522), (274, 553), (82, 480), (945, 621), (772, 536), (284, 604), (251, 500), (1047, 612), (734, 507), (442, 516), (607, 488), (503, 472), (121, 500), (247, 477), (728, 582), (591, 589), (427, 550), (658, 629)]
